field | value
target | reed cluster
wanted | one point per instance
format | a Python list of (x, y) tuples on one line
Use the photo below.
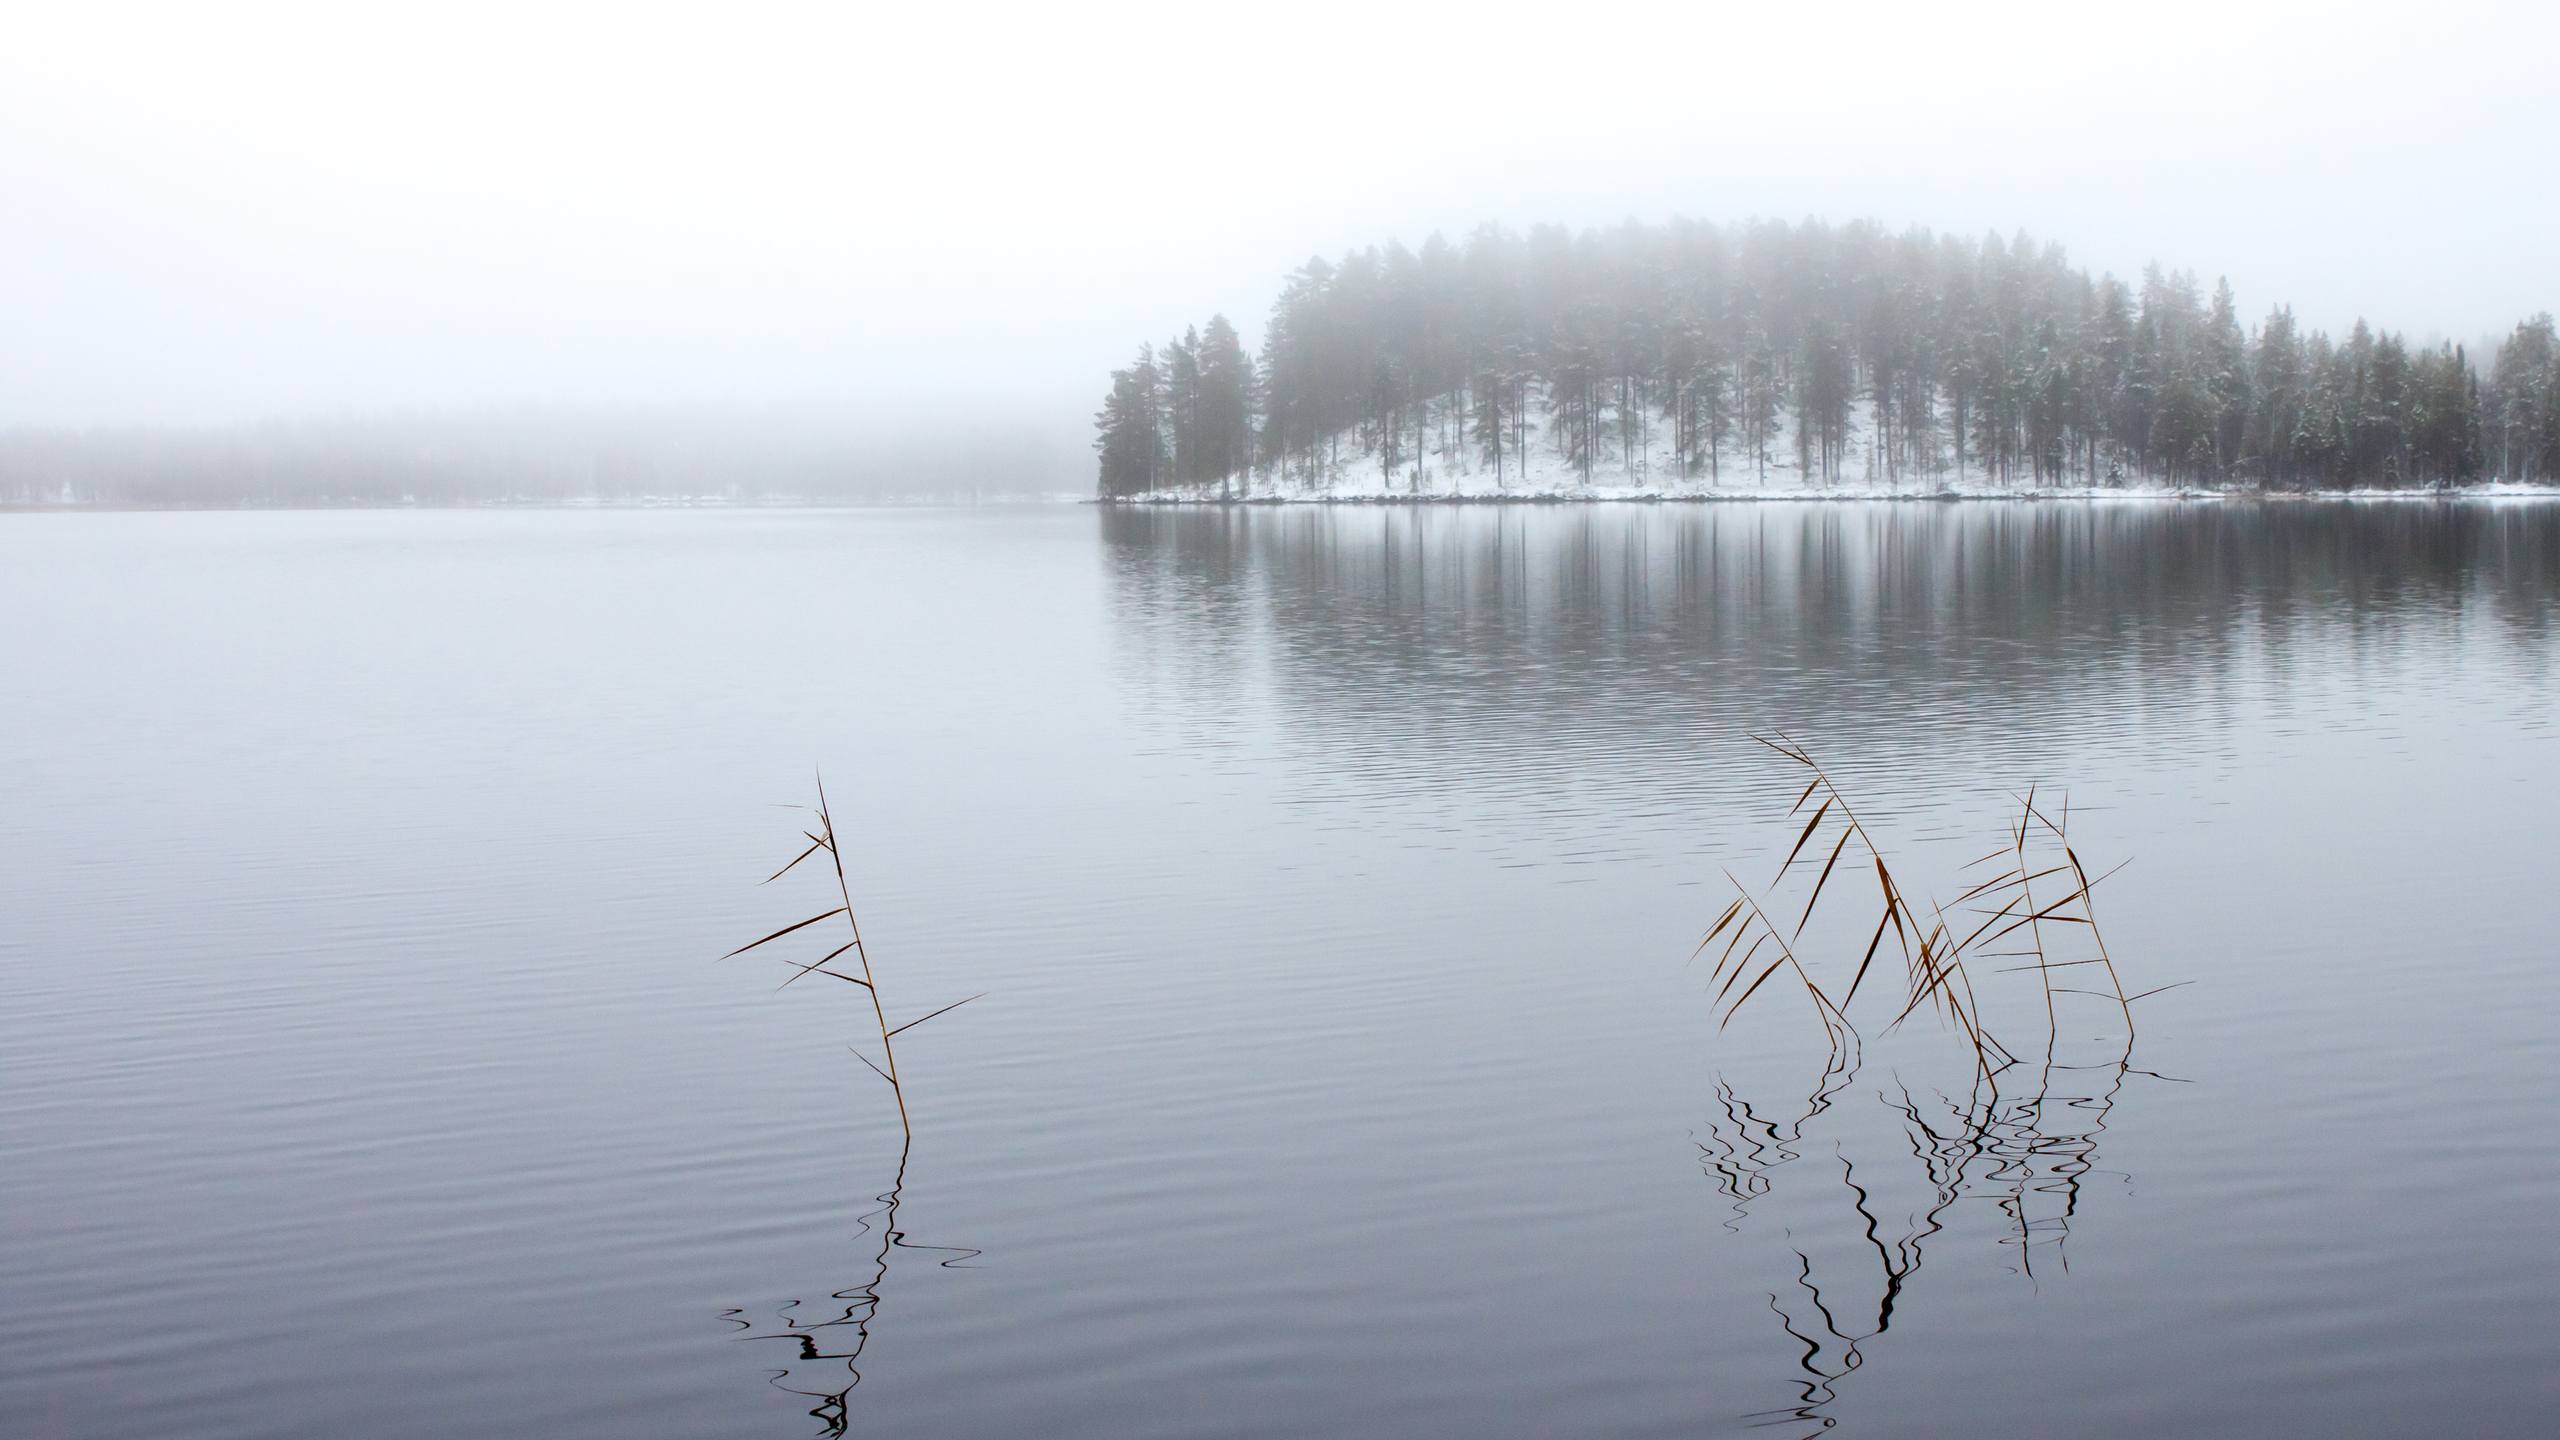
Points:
[(2039, 892)]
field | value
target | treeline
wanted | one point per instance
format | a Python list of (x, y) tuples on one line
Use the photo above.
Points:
[(1692, 351), (541, 455)]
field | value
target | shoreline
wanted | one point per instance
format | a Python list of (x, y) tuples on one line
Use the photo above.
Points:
[(1858, 497), (2472, 495), (655, 502)]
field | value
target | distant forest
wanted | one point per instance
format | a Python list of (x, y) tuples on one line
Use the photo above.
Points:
[(814, 452), (1691, 353)]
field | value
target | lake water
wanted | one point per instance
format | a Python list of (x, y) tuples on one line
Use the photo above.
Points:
[(366, 1070)]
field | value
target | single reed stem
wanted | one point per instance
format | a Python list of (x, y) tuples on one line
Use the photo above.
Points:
[(879, 1011), (824, 838), (2035, 930)]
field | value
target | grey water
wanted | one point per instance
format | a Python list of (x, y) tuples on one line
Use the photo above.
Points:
[(365, 1067)]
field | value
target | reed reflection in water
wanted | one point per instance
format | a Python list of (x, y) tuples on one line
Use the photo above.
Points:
[(2027, 1157), (826, 1338)]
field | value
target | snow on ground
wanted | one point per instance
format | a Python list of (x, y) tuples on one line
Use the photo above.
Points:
[(1650, 472)]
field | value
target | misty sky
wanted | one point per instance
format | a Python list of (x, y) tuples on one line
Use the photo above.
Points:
[(222, 212)]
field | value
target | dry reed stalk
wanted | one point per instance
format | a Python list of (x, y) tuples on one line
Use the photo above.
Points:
[(824, 838)]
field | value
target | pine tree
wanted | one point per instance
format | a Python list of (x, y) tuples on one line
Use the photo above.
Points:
[(1492, 386), (1131, 439), (1223, 422)]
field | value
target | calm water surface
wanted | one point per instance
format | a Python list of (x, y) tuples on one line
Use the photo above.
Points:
[(364, 1069)]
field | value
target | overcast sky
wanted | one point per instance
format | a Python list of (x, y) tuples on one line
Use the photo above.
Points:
[(217, 212)]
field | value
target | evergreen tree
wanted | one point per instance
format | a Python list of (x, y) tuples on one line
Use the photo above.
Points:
[(1222, 422), (1131, 441)]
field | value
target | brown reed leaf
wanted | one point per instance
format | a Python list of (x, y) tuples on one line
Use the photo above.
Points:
[(818, 964), (785, 930), (945, 1010), (1774, 967), (1809, 827)]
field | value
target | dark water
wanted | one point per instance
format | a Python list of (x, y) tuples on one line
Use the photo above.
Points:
[(364, 1069)]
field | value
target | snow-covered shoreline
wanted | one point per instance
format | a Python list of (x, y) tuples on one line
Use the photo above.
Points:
[(1638, 468), (1636, 495)]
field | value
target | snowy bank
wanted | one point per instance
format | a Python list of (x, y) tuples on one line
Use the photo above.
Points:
[(1639, 465)]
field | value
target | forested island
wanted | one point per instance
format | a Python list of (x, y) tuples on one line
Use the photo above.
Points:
[(1691, 358)]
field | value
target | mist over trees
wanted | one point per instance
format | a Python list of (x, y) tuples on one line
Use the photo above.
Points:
[(1689, 354)]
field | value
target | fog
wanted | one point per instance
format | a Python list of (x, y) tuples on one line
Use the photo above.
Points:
[(225, 215)]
